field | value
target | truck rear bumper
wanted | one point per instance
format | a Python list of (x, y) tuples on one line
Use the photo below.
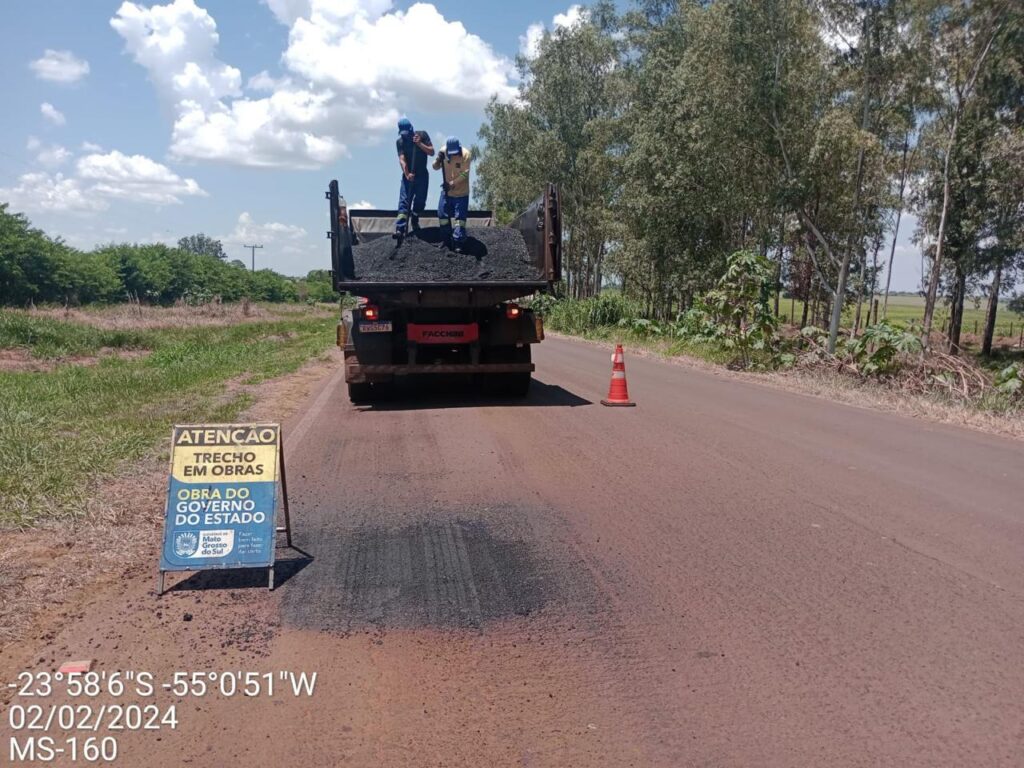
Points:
[(356, 373)]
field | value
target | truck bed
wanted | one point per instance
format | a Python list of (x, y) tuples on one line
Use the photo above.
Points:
[(500, 263), (491, 254)]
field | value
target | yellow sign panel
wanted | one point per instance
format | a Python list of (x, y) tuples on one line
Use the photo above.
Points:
[(225, 454)]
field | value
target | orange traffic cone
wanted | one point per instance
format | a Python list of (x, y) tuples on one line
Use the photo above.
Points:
[(617, 392)]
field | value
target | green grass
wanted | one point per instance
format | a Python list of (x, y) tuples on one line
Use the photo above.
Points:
[(48, 338), (670, 347), (62, 430)]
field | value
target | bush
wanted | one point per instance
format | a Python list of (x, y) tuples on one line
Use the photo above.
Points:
[(1010, 380), (578, 316), (736, 313), (882, 348)]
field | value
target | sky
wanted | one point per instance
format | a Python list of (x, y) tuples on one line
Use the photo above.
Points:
[(141, 122)]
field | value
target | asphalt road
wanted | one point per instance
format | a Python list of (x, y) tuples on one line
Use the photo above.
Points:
[(727, 574)]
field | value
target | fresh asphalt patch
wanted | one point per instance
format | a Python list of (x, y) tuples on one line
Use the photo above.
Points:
[(443, 571)]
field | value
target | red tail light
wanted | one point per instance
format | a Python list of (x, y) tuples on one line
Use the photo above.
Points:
[(512, 311), (370, 312)]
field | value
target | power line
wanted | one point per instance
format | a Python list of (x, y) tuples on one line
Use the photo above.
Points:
[(252, 249)]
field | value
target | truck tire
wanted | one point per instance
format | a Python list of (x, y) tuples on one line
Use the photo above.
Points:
[(516, 384), (360, 393), (511, 384)]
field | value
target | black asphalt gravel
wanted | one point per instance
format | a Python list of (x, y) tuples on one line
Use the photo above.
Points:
[(491, 253)]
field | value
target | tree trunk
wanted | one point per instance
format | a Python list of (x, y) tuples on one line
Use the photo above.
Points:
[(874, 277), (993, 309), (778, 282), (896, 229), (956, 314), (807, 300), (813, 300), (933, 282), (936, 273), (844, 269), (860, 296), (778, 267)]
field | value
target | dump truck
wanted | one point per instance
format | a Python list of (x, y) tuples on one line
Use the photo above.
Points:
[(450, 314)]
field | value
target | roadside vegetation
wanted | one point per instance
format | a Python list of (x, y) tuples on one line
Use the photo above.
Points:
[(37, 269), (108, 395), (734, 325), (803, 133)]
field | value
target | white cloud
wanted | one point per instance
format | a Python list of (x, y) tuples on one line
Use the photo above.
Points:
[(41, 192), (350, 64), (52, 114), (280, 130), (249, 231), (59, 66), (529, 43), (176, 43), (51, 156), (264, 82), (575, 15), (88, 146), (287, 11), (362, 205), (135, 177), (365, 44), (98, 179)]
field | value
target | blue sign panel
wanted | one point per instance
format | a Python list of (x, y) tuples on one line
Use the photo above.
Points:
[(222, 497)]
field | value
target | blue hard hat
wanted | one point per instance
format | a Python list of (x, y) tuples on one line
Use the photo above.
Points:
[(453, 147), (405, 125)]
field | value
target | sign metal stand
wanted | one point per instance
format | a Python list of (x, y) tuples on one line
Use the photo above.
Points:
[(286, 529)]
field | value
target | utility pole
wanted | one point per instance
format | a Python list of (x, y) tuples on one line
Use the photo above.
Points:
[(252, 249)]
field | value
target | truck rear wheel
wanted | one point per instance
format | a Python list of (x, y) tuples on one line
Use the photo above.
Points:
[(360, 393), (510, 384), (515, 384)]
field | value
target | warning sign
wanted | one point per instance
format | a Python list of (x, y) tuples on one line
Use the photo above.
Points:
[(222, 497)]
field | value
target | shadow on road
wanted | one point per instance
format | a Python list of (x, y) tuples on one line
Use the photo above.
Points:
[(417, 394), (244, 578)]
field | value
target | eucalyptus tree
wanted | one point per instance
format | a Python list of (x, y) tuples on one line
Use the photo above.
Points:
[(964, 34), (563, 128)]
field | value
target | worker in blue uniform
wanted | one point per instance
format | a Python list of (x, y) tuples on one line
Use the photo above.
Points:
[(454, 206), (414, 148)]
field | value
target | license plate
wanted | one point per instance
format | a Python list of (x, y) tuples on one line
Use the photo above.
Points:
[(384, 326)]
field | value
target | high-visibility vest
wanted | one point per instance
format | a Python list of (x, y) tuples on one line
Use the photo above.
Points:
[(456, 173)]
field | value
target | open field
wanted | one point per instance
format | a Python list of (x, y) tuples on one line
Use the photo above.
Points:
[(80, 400), (907, 309)]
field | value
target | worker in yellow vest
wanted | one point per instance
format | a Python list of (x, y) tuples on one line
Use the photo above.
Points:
[(454, 204)]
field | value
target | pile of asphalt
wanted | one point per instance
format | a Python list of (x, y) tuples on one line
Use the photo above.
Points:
[(490, 253)]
